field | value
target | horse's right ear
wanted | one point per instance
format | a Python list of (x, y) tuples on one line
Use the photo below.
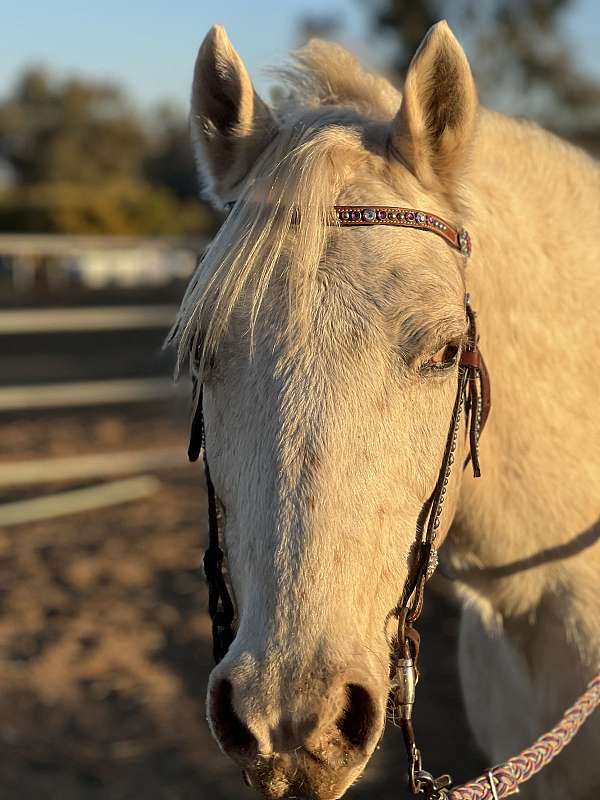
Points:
[(230, 124)]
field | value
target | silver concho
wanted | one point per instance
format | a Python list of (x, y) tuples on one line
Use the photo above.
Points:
[(464, 242)]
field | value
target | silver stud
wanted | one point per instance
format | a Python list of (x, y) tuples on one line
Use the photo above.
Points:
[(433, 562)]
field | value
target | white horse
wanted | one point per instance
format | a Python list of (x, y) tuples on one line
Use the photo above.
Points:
[(328, 358)]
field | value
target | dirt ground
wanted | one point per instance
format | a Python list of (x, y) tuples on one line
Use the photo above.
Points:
[(104, 640)]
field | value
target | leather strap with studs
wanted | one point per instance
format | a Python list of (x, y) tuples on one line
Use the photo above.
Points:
[(458, 238)]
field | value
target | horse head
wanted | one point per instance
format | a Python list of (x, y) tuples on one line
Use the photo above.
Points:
[(328, 356)]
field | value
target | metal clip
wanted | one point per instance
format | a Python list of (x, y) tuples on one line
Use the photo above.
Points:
[(404, 686), (432, 788), (414, 769)]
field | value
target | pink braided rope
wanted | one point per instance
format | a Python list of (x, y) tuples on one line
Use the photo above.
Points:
[(506, 777)]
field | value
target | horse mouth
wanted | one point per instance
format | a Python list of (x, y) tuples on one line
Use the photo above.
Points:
[(301, 775), (297, 781)]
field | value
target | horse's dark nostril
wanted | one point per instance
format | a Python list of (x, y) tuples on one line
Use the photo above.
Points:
[(234, 736), (359, 717)]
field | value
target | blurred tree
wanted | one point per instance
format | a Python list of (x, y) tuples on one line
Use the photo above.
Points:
[(85, 161), (519, 52), (74, 131), (521, 56), (170, 161), (120, 206), (322, 26)]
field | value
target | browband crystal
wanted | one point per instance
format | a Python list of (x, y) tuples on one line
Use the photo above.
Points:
[(457, 238)]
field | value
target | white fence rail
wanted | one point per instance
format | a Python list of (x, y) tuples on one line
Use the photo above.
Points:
[(94, 465), (94, 318), (98, 262), (84, 393), (76, 501), (26, 244), (133, 259), (128, 261)]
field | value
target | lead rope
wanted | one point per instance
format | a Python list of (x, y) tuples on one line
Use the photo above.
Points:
[(504, 779)]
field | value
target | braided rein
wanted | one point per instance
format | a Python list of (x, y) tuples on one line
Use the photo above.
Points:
[(504, 779)]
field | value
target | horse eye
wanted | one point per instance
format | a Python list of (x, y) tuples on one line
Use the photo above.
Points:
[(445, 357)]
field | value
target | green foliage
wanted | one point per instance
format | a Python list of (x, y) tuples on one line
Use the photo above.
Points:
[(87, 162), (74, 131), (170, 161), (118, 206)]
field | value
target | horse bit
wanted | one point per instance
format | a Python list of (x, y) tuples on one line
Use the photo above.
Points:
[(473, 393)]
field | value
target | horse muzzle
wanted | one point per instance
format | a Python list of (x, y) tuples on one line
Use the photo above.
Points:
[(310, 739)]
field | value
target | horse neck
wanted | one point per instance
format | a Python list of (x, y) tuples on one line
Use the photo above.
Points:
[(533, 280), (536, 209)]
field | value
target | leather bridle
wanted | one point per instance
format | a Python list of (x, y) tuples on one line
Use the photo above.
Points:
[(473, 397), (474, 400)]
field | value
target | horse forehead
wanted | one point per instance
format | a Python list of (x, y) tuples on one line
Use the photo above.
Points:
[(360, 310)]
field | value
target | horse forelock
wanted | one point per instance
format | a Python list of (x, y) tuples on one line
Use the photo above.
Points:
[(276, 230)]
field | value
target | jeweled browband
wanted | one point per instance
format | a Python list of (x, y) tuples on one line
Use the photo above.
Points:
[(457, 238)]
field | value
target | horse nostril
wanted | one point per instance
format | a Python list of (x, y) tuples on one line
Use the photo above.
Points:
[(234, 737), (359, 717)]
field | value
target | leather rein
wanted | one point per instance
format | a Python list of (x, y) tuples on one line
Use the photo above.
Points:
[(473, 399)]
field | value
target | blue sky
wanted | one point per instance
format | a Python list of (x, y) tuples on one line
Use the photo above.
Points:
[(150, 46)]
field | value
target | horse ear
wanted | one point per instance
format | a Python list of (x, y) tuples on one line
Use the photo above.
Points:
[(230, 124), (433, 130)]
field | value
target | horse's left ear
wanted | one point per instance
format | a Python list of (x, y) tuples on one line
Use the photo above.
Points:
[(433, 130)]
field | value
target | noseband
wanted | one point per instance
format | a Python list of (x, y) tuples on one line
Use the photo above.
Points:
[(472, 399)]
